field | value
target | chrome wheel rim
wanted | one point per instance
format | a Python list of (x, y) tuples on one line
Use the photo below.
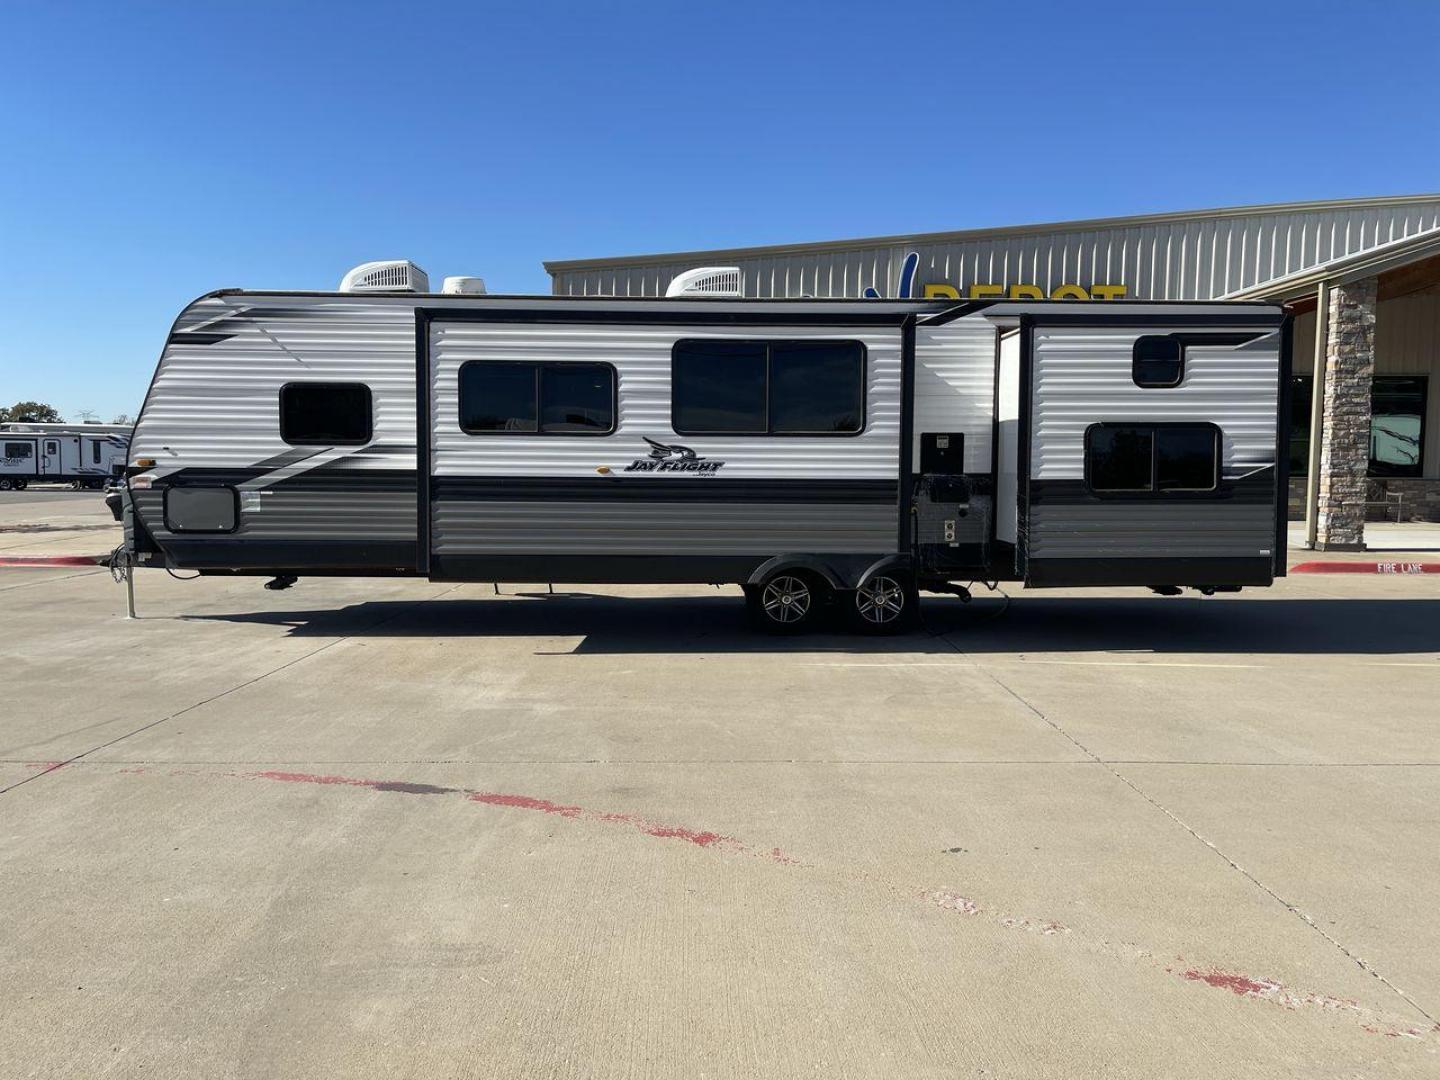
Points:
[(880, 600), (786, 599)]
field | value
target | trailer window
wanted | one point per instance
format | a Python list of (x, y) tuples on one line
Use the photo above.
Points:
[(1152, 459), (767, 387), (95, 452), (326, 414), (1158, 361), (514, 397), (19, 450)]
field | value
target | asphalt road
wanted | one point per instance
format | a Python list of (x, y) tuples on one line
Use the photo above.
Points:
[(390, 828)]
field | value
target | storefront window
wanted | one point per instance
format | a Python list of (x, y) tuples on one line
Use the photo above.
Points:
[(1397, 424)]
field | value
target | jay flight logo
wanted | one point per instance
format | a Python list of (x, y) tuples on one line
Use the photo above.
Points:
[(666, 457)]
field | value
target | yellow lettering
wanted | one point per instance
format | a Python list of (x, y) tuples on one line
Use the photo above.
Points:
[(935, 292), (1026, 292), (980, 292), (1108, 292), (1069, 292)]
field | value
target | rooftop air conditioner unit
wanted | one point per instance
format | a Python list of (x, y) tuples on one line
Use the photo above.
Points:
[(718, 281), (394, 275), (463, 286)]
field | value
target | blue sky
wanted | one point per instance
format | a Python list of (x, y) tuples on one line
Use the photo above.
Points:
[(150, 152)]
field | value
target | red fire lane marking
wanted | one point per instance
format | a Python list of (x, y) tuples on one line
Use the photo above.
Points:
[(1366, 568)]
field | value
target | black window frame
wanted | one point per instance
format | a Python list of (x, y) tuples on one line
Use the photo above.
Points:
[(1154, 492), (538, 433), (1136, 361), (770, 432), (329, 383), (29, 449)]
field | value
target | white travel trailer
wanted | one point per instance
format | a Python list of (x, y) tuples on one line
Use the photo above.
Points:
[(819, 453), (81, 455)]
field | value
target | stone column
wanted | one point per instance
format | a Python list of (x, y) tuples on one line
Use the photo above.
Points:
[(1345, 431)]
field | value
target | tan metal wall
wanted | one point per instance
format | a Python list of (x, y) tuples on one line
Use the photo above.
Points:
[(1172, 257)]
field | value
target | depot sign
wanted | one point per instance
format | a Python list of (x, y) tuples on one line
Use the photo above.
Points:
[(909, 270), (989, 290)]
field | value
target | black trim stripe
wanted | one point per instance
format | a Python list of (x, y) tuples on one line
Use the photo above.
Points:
[(188, 337), (679, 317), (1256, 489), (324, 478), (663, 489)]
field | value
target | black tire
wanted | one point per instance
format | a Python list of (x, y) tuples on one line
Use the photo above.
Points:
[(22, 484), (887, 603), (5, 483), (786, 602)]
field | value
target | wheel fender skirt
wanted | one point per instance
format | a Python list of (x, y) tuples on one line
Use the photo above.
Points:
[(839, 571)]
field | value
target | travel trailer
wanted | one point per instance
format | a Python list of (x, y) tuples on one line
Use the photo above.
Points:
[(81, 455), (824, 455)]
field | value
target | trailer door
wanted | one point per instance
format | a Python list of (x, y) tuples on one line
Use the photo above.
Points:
[(1151, 450), (51, 462)]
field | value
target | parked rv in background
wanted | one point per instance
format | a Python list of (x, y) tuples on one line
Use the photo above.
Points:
[(81, 455)]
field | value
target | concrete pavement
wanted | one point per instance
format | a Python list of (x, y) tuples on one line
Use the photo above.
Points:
[(391, 828)]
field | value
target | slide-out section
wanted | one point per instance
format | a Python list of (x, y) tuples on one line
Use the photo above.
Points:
[(1148, 448)]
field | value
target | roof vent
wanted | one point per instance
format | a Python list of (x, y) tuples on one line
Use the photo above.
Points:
[(464, 286), (394, 275), (722, 281)]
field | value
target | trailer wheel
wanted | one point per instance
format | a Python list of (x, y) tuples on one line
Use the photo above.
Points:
[(888, 603), (786, 602), (5, 484), (21, 484)]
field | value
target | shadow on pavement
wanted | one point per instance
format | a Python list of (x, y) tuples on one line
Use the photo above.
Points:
[(1143, 624)]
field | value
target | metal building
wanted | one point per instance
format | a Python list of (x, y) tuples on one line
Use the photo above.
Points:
[(1372, 265)]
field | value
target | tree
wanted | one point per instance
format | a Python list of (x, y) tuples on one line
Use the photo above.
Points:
[(33, 412)]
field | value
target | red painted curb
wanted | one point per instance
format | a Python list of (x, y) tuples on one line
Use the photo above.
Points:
[(52, 560), (1366, 568)]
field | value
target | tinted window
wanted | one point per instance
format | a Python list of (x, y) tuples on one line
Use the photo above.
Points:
[(1152, 458), (1397, 424), (1185, 458), (531, 398), (19, 449), (325, 414), (95, 452), (1299, 425), (718, 386), (1120, 458), (816, 386), (498, 397), (1157, 361), (577, 397), (768, 387)]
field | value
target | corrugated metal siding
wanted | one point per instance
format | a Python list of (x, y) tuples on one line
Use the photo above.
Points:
[(218, 405), (659, 528), (955, 385), (1188, 259), (641, 357), (1082, 375), (1138, 530)]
